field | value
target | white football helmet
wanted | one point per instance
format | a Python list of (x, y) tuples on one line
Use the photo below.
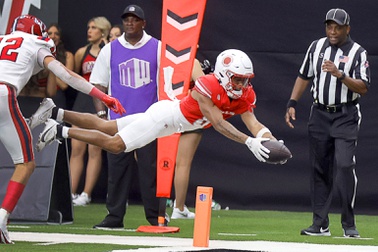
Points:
[(230, 63)]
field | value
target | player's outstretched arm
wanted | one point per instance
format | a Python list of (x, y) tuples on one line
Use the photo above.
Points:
[(278, 152), (214, 115), (255, 126), (80, 84)]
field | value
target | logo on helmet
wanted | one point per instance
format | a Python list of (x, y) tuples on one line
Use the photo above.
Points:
[(227, 61), (29, 24)]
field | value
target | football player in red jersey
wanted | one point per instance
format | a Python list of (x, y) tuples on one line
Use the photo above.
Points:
[(24, 52), (214, 98)]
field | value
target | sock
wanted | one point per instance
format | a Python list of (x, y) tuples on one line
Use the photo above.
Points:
[(57, 114), (59, 129), (54, 113), (4, 215), (64, 131), (13, 194)]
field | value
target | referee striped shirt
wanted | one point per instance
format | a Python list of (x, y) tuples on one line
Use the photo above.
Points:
[(350, 58)]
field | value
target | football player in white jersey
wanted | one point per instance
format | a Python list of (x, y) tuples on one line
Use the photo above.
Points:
[(24, 52), (214, 98)]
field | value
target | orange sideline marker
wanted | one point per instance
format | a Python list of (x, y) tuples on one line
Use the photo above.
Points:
[(202, 220)]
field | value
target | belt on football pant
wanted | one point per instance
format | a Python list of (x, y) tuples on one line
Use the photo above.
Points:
[(335, 108)]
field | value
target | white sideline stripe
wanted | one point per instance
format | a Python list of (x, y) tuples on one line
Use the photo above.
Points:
[(16, 226), (166, 244), (354, 238), (47, 243), (232, 234), (130, 230)]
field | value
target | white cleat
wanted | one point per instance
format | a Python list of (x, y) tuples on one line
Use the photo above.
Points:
[(4, 236), (42, 114), (82, 200), (48, 135), (185, 214)]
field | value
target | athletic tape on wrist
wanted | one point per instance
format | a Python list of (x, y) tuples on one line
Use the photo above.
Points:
[(262, 132)]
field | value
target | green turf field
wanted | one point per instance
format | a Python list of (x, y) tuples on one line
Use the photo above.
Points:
[(225, 225)]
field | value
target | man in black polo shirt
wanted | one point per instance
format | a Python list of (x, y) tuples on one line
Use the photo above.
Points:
[(340, 74)]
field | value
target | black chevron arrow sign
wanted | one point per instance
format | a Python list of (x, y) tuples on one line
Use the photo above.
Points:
[(181, 23), (177, 57), (177, 85)]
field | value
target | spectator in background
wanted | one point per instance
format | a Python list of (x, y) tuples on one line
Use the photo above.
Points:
[(45, 83), (115, 32), (65, 57), (39, 86), (85, 57), (60, 98)]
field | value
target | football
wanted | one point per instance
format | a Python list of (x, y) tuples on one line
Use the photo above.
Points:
[(279, 153)]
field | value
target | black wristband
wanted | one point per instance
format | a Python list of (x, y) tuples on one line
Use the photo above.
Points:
[(291, 103), (342, 77)]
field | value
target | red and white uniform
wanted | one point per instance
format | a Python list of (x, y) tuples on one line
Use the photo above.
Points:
[(167, 117), (209, 86), (22, 56)]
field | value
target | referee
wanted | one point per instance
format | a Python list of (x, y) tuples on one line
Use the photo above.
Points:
[(340, 74)]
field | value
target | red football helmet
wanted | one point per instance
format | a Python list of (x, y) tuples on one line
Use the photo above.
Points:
[(29, 24)]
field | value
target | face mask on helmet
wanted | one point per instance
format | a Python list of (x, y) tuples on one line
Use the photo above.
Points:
[(29, 24), (234, 70)]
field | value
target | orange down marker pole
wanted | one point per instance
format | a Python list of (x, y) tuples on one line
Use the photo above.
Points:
[(181, 26), (201, 233)]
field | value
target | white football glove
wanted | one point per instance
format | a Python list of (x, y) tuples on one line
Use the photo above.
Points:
[(255, 146)]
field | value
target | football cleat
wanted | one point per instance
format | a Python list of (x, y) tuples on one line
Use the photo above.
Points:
[(315, 230), (351, 232), (82, 200), (109, 225), (185, 214), (48, 135), (42, 114)]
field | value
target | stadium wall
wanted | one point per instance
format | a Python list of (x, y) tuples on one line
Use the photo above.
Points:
[(275, 34)]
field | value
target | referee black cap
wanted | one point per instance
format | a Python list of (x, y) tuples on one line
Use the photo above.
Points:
[(134, 10), (340, 16)]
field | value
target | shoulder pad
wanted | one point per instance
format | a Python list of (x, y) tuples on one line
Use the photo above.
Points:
[(45, 41), (49, 43)]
